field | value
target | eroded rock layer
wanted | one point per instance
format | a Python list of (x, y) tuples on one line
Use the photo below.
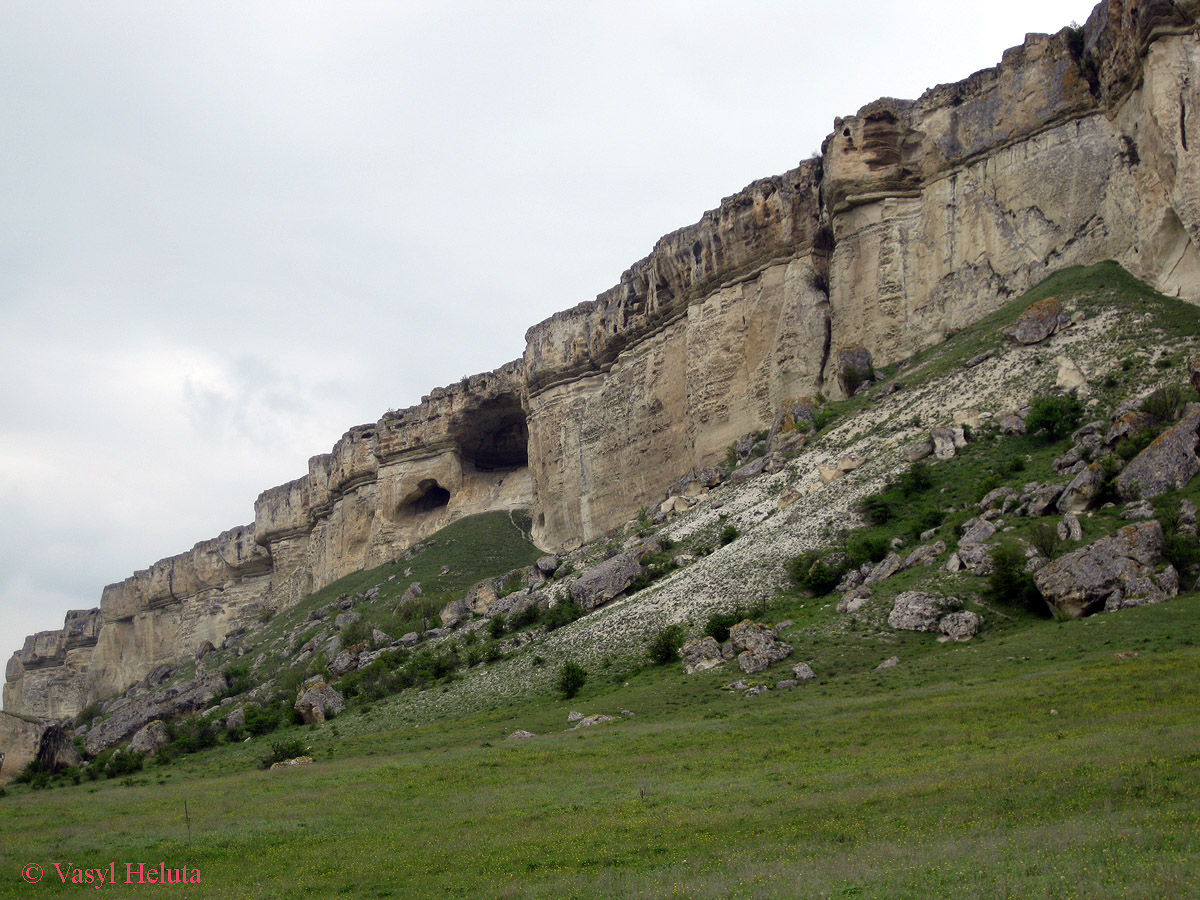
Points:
[(919, 217)]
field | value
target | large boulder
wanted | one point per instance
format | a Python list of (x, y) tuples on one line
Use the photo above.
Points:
[(1079, 494), (920, 611), (151, 737), (601, 583), (1169, 462), (701, 655), (1039, 321), (761, 646), (1112, 573), (318, 702)]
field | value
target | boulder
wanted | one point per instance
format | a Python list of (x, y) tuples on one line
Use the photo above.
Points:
[(890, 663), (589, 721), (1114, 572), (1011, 423), (151, 738), (318, 702), (996, 499), (943, 443), (574, 716), (976, 531), (408, 639), (925, 555), (1071, 378), (236, 719), (1038, 322), (889, 566), (975, 558), (803, 672), (916, 452), (701, 655), (786, 684), (346, 661), (346, 618), (600, 584), (959, 626), (547, 565), (1169, 462), (853, 600), (520, 735), (1045, 496), (752, 469), (920, 611), (761, 645), (291, 763), (1127, 424), (1069, 528), (1078, 495)]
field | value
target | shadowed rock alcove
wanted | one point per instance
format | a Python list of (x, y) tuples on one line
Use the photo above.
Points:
[(428, 497), (494, 436)]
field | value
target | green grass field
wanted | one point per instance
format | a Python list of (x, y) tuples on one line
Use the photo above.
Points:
[(1030, 764)]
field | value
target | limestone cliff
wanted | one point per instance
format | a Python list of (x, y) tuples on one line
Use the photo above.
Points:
[(918, 218)]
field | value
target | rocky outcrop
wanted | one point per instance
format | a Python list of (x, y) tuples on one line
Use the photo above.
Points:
[(318, 702), (1168, 463), (19, 742), (1112, 573), (918, 218), (921, 611)]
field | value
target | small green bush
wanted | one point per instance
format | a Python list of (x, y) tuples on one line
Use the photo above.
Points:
[(1054, 416), (1044, 537), (718, 625), (527, 616), (729, 534), (1009, 582), (562, 613), (865, 546), (497, 626), (281, 751), (816, 572), (1164, 405), (665, 645), (571, 678)]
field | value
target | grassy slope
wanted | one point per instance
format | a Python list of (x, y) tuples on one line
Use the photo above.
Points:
[(946, 776)]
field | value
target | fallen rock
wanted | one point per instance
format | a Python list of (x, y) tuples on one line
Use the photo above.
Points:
[(889, 566), (1112, 573), (959, 626), (752, 469), (760, 644), (925, 555), (976, 531), (346, 661), (786, 684), (589, 721), (1045, 496), (1071, 378), (920, 611), (603, 582), (408, 639), (852, 601), (1038, 322), (1084, 487), (319, 702), (547, 565), (151, 738), (520, 735), (889, 663), (943, 443), (1169, 462), (1069, 528), (701, 655), (803, 672), (916, 452), (1011, 423), (755, 691), (291, 763)]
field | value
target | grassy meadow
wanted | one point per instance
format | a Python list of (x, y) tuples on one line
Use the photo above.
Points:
[(1030, 764)]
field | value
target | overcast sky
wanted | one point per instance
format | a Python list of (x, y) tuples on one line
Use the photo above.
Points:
[(229, 231)]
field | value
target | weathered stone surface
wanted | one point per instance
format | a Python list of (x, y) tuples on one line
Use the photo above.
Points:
[(959, 626), (920, 611), (19, 741), (150, 738), (916, 452), (603, 582), (1044, 499), (1069, 529), (890, 663), (943, 443), (925, 555), (760, 640), (128, 714), (346, 661), (701, 655), (520, 735), (291, 763), (1038, 322), (454, 612), (574, 716), (56, 751), (1111, 573), (803, 672), (1169, 462), (976, 531), (1011, 424), (319, 702), (589, 721), (887, 567), (854, 600), (547, 565), (1078, 495)]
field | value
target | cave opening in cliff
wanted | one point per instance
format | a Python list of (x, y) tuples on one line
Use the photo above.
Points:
[(429, 496), (494, 435)]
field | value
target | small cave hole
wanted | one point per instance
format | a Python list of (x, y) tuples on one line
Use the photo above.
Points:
[(429, 496)]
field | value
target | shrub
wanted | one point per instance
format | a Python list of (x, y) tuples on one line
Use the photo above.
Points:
[(1045, 539), (1129, 447), (497, 626), (562, 613), (282, 751), (1054, 416), (718, 625), (1009, 582), (122, 762), (865, 546), (817, 572), (729, 534), (879, 509), (355, 633), (665, 645), (571, 678), (1163, 405), (527, 616)]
